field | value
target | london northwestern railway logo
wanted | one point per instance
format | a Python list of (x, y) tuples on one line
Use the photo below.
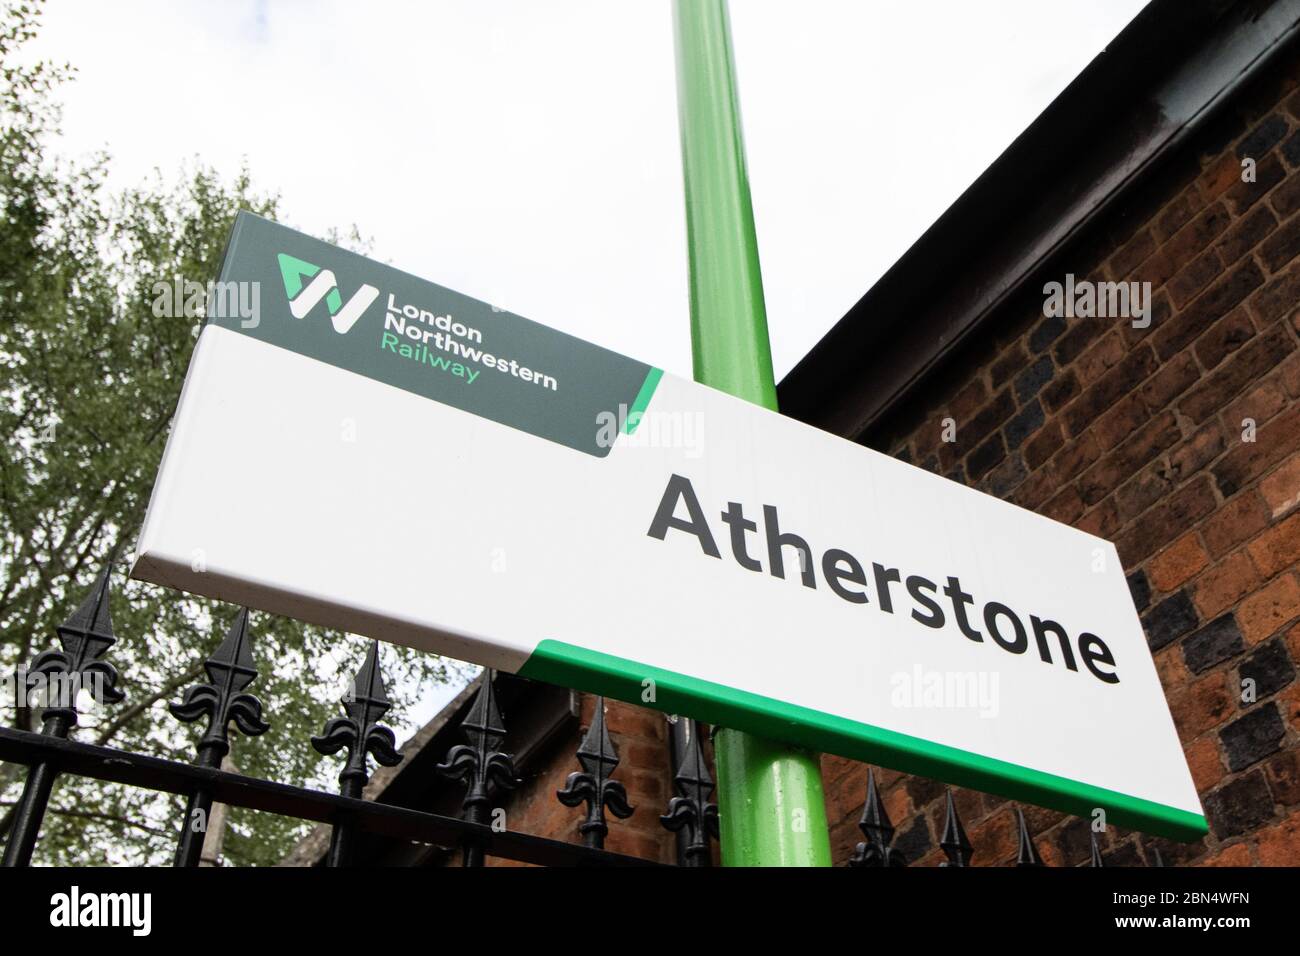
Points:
[(323, 285)]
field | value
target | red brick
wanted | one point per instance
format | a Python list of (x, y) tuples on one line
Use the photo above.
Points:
[(1198, 451), (1080, 334), (1281, 247), (1165, 521), (1103, 393), (1224, 337), (1060, 391), (1290, 704), (1244, 368), (1161, 311), (1065, 507), (1247, 232), (1172, 668), (1220, 298), (1285, 198), (1236, 855), (1179, 211), (1113, 470), (1132, 254), (1258, 405), (1201, 706), (1236, 521), (1194, 277), (1043, 445), (1139, 494), (1278, 299), (1035, 490), (969, 803), (1261, 614), (1118, 423), (1243, 195), (972, 432), (1289, 374), (1101, 358), (1274, 441), (1280, 845), (1225, 584), (1076, 456), (1179, 562), (1281, 489), (1220, 176), (1188, 242), (1012, 361), (1278, 548), (1284, 776), (966, 402), (1205, 763), (1170, 381), (998, 838), (898, 803), (1103, 520)]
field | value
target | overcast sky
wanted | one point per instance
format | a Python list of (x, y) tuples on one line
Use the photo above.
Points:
[(526, 152)]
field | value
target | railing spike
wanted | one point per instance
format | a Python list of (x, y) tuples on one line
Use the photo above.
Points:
[(360, 733), (84, 638), (480, 764), (230, 670), (1095, 850), (1028, 853), (875, 826), (954, 844), (691, 809), (593, 785), (93, 618)]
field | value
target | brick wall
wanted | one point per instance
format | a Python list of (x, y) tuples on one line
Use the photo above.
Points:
[(641, 738), (1137, 436)]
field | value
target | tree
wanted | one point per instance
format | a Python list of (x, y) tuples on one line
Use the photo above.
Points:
[(90, 382)]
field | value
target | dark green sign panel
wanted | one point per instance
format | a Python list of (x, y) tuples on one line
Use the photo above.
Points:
[(356, 314)]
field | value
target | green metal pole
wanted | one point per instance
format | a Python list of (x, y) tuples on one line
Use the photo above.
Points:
[(770, 795)]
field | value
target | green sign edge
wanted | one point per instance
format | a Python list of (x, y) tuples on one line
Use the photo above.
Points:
[(557, 662)]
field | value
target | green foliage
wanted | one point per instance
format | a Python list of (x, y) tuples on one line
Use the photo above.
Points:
[(89, 381)]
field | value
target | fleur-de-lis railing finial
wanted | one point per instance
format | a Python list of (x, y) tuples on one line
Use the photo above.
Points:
[(1027, 854), (360, 733), (230, 670), (691, 808), (222, 701), (593, 785), (55, 677), (84, 638), (480, 763), (954, 844), (875, 826)]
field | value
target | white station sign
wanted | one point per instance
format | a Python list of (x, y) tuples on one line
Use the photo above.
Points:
[(383, 455)]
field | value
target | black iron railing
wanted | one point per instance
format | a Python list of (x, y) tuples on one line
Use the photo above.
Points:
[(487, 772)]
